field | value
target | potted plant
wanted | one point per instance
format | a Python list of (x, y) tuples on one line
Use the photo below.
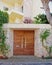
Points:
[(27, 20)]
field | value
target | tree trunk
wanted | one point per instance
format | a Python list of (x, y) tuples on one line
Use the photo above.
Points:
[(47, 10)]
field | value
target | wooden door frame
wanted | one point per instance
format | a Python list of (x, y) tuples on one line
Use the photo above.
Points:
[(13, 40)]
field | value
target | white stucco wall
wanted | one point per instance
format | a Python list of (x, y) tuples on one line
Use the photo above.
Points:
[(9, 41), (38, 49), (27, 8), (32, 8), (42, 51), (37, 8), (38, 45)]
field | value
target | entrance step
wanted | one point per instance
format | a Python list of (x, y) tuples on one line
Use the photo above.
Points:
[(26, 58)]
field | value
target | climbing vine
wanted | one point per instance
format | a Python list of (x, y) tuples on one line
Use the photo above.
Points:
[(44, 35), (4, 18)]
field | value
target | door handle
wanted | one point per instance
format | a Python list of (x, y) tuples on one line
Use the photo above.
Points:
[(22, 43), (25, 42)]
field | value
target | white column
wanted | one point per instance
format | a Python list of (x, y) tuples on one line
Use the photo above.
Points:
[(37, 45), (9, 41)]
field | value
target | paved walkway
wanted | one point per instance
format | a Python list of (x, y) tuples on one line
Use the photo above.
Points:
[(27, 60), (17, 63)]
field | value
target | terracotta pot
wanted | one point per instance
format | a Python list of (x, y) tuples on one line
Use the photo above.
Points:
[(3, 57)]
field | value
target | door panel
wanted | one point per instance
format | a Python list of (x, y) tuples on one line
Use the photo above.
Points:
[(18, 42), (23, 42), (29, 43)]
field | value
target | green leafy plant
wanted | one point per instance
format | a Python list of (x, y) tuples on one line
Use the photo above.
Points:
[(43, 37), (44, 34), (4, 48), (40, 19), (4, 17)]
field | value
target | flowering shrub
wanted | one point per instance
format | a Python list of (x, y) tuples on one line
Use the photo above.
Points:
[(27, 20)]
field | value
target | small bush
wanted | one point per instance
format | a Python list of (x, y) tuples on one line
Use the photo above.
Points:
[(40, 19), (4, 17)]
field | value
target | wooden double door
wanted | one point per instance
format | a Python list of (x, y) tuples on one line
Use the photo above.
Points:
[(23, 42)]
